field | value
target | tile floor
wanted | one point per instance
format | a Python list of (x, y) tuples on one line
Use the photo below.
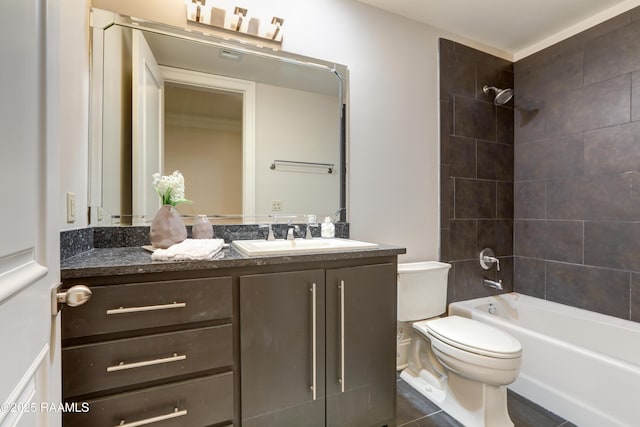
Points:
[(414, 410)]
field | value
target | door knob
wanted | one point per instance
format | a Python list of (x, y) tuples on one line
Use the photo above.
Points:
[(73, 297)]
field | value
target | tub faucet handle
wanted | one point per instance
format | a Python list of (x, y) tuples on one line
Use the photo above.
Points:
[(487, 259)]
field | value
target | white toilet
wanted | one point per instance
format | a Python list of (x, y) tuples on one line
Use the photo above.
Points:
[(460, 364)]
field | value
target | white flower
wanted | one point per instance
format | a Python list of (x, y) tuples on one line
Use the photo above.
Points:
[(170, 188)]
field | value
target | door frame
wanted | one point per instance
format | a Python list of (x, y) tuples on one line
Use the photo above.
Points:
[(247, 89)]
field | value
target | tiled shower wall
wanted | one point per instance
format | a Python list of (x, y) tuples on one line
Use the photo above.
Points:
[(476, 169), (577, 170)]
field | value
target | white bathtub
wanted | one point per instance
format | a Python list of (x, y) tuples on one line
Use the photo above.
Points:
[(581, 365)]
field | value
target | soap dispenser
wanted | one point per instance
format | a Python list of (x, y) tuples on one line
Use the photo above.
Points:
[(327, 229)]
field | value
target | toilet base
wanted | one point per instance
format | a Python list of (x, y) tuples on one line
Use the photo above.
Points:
[(471, 403)]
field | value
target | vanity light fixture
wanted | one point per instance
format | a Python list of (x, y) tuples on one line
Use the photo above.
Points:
[(240, 13), (237, 21), (277, 22), (195, 10)]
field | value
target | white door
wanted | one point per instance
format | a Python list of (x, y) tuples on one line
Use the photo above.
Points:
[(29, 229), (147, 88)]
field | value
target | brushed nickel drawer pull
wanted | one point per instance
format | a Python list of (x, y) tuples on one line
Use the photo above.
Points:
[(175, 414), (124, 366), (123, 310), (314, 344)]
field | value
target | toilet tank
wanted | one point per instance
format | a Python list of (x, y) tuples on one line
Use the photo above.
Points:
[(422, 290)]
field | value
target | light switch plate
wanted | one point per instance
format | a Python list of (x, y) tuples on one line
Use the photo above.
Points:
[(71, 207)]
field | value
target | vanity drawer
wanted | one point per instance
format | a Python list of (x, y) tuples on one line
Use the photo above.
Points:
[(194, 403), (125, 307), (111, 364)]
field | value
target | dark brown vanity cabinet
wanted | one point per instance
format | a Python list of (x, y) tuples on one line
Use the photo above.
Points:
[(318, 347), (281, 342), (361, 345), (150, 352)]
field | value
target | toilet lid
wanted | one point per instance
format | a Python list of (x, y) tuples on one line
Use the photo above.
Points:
[(474, 336)]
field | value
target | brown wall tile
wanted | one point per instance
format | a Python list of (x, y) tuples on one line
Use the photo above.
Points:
[(497, 235), (596, 289), (505, 129), (462, 157), (555, 157), (552, 240), (463, 239), (475, 199), (529, 199), (576, 169), (635, 96), (529, 276), (604, 197), (529, 121), (474, 119), (612, 245), (495, 161), (612, 54), (505, 200), (479, 186), (612, 149), (591, 107)]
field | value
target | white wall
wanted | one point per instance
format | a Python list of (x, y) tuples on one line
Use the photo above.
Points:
[(393, 107), (74, 110), (295, 125)]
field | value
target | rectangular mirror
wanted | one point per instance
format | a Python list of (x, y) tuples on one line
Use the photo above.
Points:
[(256, 133)]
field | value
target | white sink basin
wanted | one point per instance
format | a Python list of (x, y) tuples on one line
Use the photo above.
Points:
[(279, 247)]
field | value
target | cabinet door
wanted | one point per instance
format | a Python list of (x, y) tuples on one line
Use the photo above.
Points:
[(361, 345), (282, 350)]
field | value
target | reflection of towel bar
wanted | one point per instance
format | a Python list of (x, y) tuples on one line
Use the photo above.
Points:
[(276, 163)]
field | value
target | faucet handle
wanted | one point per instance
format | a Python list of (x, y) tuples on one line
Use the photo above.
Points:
[(487, 259), (308, 235), (270, 235)]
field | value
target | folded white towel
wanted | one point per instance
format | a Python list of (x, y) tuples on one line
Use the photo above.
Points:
[(189, 249)]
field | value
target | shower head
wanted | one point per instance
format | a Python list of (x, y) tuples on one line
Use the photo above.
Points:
[(502, 95)]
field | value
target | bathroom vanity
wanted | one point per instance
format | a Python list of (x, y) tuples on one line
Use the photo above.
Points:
[(251, 341)]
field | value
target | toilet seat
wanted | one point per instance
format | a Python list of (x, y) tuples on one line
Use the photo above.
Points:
[(484, 369), (472, 336)]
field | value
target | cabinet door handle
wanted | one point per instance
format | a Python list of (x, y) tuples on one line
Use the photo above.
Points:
[(313, 342), (175, 414), (341, 379), (124, 366), (123, 310)]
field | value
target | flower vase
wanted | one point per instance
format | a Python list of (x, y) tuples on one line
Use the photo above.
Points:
[(167, 228), (202, 228)]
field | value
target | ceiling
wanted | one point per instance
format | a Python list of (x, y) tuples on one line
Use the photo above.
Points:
[(516, 27)]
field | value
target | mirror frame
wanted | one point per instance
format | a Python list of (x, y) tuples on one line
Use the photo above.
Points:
[(103, 19)]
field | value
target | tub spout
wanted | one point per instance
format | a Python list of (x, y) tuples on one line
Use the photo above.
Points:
[(492, 283)]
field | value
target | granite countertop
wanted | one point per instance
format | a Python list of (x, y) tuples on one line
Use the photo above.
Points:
[(136, 260)]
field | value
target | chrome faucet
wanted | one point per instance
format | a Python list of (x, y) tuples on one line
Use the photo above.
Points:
[(290, 231), (492, 283)]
